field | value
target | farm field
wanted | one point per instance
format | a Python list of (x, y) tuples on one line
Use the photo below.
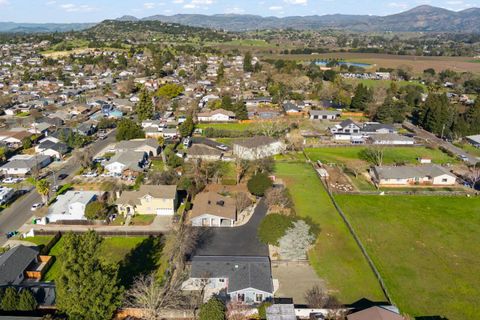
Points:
[(426, 248), (418, 63), (335, 257), (352, 155)]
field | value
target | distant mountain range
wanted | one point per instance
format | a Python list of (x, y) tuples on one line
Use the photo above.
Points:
[(14, 27), (423, 18)]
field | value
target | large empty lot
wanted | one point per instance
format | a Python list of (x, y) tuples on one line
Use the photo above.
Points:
[(426, 248), (336, 257)]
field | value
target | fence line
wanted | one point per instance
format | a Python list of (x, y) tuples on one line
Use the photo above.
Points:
[(126, 233), (355, 236)]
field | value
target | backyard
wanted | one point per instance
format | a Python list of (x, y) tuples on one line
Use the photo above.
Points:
[(336, 257), (135, 255), (426, 248), (352, 155)]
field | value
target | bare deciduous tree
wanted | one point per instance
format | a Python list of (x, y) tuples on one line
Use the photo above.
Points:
[(242, 201), (473, 175), (278, 197), (241, 167), (317, 297), (236, 311), (374, 155), (84, 157)]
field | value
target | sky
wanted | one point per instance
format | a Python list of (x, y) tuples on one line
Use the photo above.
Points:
[(61, 11)]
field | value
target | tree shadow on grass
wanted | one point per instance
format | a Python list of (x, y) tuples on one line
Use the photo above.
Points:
[(144, 259)]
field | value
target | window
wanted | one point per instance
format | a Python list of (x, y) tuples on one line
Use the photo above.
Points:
[(258, 297), (444, 180), (221, 280)]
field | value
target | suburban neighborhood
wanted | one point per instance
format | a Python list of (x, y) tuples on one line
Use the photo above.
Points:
[(160, 170)]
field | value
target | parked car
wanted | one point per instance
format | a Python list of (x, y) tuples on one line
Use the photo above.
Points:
[(11, 180), (11, 234), (222, 147), (464, 158), (62, 176), (90, 175), (36, 206)]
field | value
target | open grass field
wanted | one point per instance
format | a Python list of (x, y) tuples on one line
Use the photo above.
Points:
[(236, 126), (426, 248), (335, 257), (133, 254), (347, 155), (418, 63), (383, 83)]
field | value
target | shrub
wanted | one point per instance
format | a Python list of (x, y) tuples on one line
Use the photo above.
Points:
[(9, 299), (259, 184), (26, 301), (96, 210), (213, 309), (262, 310), (273, 227)]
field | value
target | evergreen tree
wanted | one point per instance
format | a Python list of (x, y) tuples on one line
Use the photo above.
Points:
[(26, 301), (144, 107), (220, 72), (213, 309), (473, 118), (87, 287), (127, 130), (438, 115), (247, 62), (10, 299), (361, 98), (186, 128)]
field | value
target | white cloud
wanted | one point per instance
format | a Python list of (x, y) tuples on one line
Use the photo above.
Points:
[(4, 2), (189, 6), (302, 2), (51, 3), (71, 7), (399, 5), (235, 10), (201, 4), (149, 5), (275, 8), (177, 1)]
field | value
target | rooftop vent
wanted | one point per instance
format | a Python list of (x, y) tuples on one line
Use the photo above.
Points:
[(221, 203)]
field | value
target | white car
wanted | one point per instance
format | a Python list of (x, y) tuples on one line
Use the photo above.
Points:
[(36, 206), (90, 175), (222, 147), (10, 180)]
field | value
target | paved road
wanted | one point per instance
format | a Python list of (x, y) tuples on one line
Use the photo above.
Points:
[(430, 137), (19, 212), (236, 241)]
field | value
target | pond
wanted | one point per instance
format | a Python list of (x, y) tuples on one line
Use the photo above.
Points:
[(323, 63)]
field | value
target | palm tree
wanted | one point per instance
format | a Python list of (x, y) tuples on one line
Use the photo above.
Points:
[(43, 189)]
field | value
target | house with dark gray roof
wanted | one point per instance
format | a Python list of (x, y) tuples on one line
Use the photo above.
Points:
[(324, 114), (13, 264), (246, 279), (53, 149)]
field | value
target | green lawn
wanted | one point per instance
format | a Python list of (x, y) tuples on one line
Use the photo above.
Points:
[(236, 126), (142, 219), (383, 83), (39, 240), (392, 155), (426, 248), (335, 257), (157, 165), (113, 250)]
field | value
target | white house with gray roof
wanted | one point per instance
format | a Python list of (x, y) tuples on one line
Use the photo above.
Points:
[(433, 175), (246, 279), (127, 163), (71, 205), (257, 148)]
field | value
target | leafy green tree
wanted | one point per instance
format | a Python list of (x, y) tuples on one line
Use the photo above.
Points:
[(247, 62), (10, 299), (144, 107), (473, 117), (258, 184), (273, 227), (128, 129), (186, 128), (87, 288), (213, 309), (26, 143), (26, 301), (96, 210), (170, 91), (362, 97), (43, 189)]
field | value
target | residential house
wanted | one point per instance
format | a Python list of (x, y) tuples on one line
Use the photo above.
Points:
[(291, 108), (244, 279), (255, 102), (53, 149), (14, 138), (211, 209), (257, 147), (150, 146), (391, 139), (71, 206), (21, 165), (159, 200), (370, 128), (433, 175), (346, 130), (14, 264), (218, 115), (127, 163), (86, 129), (474, 140), (201, 151), (324, 114), (376, 313)]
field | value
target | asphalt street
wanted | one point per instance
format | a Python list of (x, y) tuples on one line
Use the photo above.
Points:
[(13, 217)]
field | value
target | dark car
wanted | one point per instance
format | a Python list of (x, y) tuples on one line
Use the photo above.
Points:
[(62, 176), (11, 234)]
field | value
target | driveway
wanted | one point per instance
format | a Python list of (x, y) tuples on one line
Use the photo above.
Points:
[(208, 142), (235, 241)]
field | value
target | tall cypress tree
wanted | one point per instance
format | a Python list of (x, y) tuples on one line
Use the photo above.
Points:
[(26, 301), (10, 299), (144, 106)]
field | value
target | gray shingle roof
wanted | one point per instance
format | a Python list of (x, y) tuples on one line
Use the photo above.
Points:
[(405, 172), (255, 142), (15, 261), (242, 272)]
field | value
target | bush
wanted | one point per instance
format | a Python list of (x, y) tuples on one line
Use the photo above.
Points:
[(259, 184), (262, 310), (10, 299), (96, 210), (273, 227), (213, 309), (26, 301)]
